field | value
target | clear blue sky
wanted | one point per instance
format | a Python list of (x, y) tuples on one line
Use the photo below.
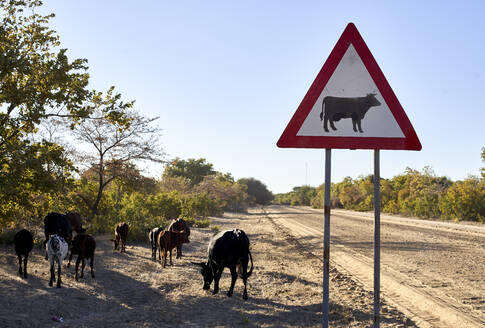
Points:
[(225, 77)]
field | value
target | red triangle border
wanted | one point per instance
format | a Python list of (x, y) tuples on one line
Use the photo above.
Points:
[(289, 139)]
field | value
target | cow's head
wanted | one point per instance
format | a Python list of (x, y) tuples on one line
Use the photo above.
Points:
[(207, 274), (184, 237), (372, 100)]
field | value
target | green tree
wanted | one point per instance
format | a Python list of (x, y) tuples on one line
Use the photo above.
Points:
[(464, 200), (192, 169), (200, 205), (257, 190), (223, 190), (483, 160), (418, 193), (37, 81), (117, 136), (303, 195)]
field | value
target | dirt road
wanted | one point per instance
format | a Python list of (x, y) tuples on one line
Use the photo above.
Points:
[(130, 290), (431, 271)]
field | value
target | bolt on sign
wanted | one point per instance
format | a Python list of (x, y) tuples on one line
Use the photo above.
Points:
[(350, 105)]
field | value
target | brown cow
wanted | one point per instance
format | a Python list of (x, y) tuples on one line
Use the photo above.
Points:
[(83, 245), (121, 233), (179, 225), (168, 240)]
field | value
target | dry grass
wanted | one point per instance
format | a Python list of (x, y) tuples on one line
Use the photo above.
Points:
[(130, 290)]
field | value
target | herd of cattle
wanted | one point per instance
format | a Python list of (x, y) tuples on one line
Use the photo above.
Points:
[(226, 249)]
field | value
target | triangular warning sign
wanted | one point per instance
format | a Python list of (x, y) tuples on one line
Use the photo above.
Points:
[(350, 105)]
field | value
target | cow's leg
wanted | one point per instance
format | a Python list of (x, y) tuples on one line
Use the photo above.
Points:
[(53, 278), (233, 280), (82, 267), (25, 266), (354, 121), (325, 121), (154, 252), (245, 277), (91, 264), (332, 125), (70, 258), (164, 257), (217, 277), (45, 243), (359, 125), (170, 250), (20, 264), (179, 251), (160, 254), (59, 264), (77, 265)]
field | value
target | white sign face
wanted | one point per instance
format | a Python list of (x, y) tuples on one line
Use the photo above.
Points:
[(353, 105)]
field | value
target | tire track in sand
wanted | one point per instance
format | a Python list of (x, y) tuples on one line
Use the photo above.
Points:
[(425, 309)]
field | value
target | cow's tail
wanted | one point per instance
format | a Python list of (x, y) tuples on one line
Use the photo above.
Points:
[(323, 107), (250, 270)]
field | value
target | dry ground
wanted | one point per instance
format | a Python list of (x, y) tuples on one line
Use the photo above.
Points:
[(130, 290)]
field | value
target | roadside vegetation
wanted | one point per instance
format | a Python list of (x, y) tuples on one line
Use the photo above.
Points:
[(65, 147), (414, 193)]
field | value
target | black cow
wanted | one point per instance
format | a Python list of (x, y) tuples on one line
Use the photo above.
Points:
[(24, 242), (336, 108), (84, 246), (227, 249), (153, 236), (57, 224), (76, 222)]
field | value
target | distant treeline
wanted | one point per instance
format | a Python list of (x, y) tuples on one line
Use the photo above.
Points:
[(414, 193), (191, 189)]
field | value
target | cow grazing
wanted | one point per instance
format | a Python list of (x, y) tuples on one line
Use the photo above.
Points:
[(121, 233), (336, 108), (83, 245), (76, 222), (179, 225), (168, 240), (24, 242), (56, 249), (153, 236), (57, 224), (227, 249)]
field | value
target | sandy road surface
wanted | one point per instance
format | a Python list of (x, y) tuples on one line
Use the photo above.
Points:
[(130, 290), (432, 271)]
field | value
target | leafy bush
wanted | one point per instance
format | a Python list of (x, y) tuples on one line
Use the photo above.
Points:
[(6, 237), (198, 223), (257, 190), (465, 200), (200, 205)]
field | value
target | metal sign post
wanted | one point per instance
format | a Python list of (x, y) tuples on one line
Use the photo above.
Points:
[(377, 238), (326, 237), (350, 105)]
